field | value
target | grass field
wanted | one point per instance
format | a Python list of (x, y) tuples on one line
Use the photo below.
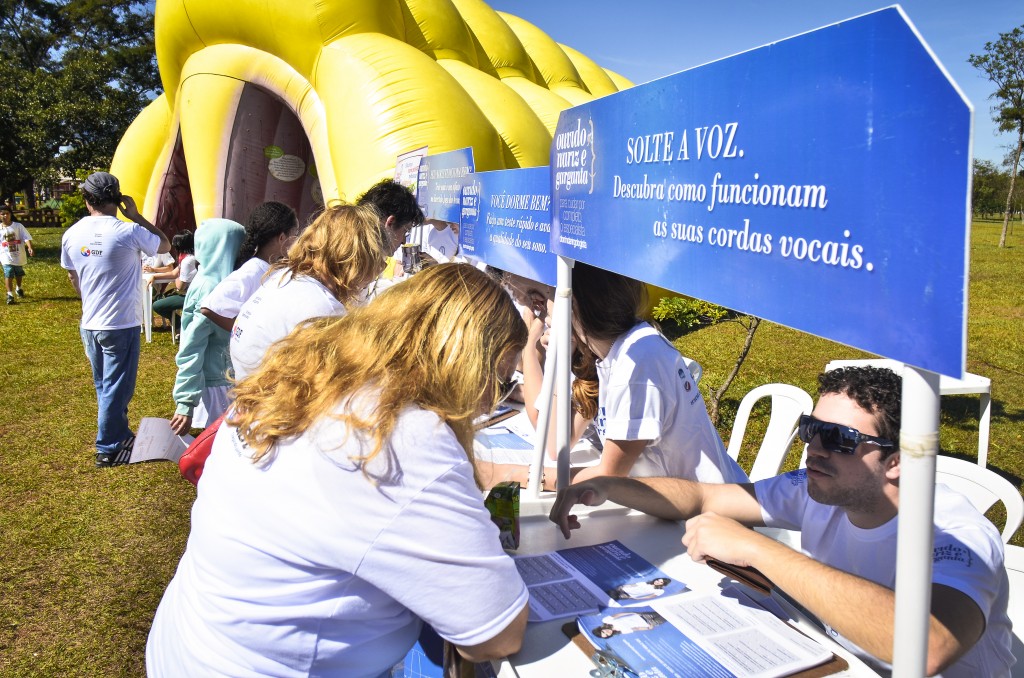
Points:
[(85, 553)]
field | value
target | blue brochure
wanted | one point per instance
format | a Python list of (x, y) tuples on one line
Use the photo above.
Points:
[(581, 580), (719, 635)]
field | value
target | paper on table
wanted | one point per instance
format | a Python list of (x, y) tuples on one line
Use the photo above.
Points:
[(744, 638), (581, 580), (155, 440), (508, 442)]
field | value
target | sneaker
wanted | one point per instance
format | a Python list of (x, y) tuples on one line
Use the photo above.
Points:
[(10, 299), (21, 292), (118, 457)]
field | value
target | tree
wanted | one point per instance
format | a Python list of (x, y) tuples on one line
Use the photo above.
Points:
[(1003, 63), (75, 74), (987, 188), (687, 313)]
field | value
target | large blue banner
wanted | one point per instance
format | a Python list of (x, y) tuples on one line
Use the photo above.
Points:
[(440, 183), (820, 182), (506, 221)]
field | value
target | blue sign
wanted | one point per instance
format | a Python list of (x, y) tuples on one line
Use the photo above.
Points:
[(820, 182), (506, 221), (440, 187)]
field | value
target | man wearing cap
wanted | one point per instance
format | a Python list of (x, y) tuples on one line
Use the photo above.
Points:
[(845, 503), (102, 255)]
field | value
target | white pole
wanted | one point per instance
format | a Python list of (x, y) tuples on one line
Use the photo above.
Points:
[(540, 448), (563, 366), (919, 443)]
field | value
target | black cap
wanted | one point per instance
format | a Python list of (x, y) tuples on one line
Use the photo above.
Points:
[(102, 185)]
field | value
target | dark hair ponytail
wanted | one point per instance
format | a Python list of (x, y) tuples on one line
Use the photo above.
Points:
[(184, 242), (267, 221), (605, 304)]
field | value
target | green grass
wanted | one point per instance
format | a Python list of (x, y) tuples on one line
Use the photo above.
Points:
[(85, 553)]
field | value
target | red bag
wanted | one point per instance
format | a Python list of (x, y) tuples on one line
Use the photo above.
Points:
[(194, 458)]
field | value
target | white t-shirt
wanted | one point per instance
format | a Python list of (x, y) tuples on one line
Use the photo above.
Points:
[(227, 297), (967, 556), (105, 252), (270, 314), (188, 268), (640, 590), (12, 244), (304, 567), (647, 393)]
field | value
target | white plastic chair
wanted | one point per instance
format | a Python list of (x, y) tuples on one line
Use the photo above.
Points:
[(696, 371), (983, 488), (788, 403)]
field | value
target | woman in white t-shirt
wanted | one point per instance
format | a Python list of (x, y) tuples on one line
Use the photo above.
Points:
[(632, 387), (637, 389), (182, 275), (158, 263), (338, 510), (270, 231), (326, 270)]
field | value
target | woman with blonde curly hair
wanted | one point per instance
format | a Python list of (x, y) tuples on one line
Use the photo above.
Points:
[(325, 272), (339, 506)]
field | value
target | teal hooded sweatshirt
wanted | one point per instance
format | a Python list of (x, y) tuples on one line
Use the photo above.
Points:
[(203, 358)]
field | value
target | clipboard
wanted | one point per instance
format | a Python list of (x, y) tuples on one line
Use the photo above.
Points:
[(496, 419), (610, 669), (748, 576)]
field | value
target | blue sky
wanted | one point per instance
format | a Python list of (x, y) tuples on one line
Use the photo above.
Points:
[(647, 39)]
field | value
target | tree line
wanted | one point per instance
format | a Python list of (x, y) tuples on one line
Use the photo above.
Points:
[(73, 76), (989, 190), (1002, 62)]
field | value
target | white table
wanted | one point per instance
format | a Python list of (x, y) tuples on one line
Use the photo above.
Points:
[(147, 305), (547, 651), (970, 384)]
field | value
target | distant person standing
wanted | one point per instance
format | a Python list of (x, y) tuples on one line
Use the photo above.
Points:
[(14, 242), (102, 255)]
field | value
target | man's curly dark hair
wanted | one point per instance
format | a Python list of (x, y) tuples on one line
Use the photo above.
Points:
[(392, 199), (876, 389)]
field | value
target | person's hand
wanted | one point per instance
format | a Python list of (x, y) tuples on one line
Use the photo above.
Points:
[(128, 207), (181, 424), (589, 493), (31, 252), (535, 327), (710, 535), (146, 268)]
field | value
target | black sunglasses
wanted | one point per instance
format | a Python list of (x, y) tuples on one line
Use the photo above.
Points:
[(836, 437), (505, 388)]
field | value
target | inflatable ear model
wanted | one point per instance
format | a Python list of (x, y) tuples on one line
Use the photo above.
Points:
[(312, 100)]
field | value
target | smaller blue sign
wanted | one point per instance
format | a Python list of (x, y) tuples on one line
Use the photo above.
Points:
[(440, 183), (506, 221)]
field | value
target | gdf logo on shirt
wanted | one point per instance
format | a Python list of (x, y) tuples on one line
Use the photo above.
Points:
[(85, 251)]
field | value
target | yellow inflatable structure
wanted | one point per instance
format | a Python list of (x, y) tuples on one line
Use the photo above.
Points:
[(311, 100)]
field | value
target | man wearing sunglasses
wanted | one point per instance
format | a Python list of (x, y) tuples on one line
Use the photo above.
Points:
[(845, 504)]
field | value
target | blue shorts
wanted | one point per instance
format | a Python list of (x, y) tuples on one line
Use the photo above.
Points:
[(13, 271)]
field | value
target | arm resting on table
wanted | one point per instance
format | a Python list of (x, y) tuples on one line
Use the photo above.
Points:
[(669, 498), (864, 612)]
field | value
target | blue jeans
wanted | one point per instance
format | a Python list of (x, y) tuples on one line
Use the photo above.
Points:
[(114, 356)]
